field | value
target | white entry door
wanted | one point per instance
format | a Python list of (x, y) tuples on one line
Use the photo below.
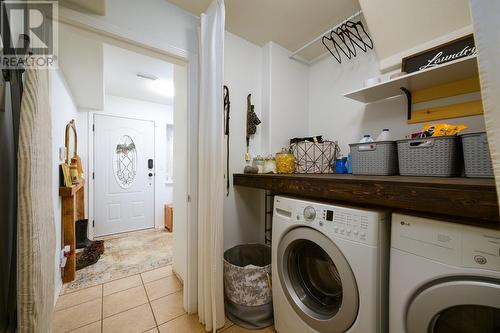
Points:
[(124, 174)]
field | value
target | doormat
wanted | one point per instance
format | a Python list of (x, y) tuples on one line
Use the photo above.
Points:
[(125, 255)]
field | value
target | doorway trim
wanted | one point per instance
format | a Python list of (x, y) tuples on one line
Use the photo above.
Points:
[(114, 35)]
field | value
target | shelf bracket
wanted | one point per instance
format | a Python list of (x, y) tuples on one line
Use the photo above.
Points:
[(408, 100)]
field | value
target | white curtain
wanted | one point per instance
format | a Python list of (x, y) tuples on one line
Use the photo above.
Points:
[(211, 169), (487, 37), (35, 223)]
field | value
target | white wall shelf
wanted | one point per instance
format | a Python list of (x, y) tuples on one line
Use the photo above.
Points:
[(460, 69)]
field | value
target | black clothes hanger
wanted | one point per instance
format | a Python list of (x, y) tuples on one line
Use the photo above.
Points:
[(345, 39), (335, 46), (334, 34), (349, 35), (351, 30), (360, 24), (336, 55)]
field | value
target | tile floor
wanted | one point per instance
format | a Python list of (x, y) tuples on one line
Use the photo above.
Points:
[(147, 302)]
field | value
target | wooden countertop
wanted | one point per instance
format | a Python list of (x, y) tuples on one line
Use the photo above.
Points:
[(467, 200)]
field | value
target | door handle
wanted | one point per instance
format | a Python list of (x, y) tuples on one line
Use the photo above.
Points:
[(150, 163)]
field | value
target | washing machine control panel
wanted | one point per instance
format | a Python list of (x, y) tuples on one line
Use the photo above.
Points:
[(348, 223)]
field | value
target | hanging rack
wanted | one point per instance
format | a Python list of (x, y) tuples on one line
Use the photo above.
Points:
[(295, 53)]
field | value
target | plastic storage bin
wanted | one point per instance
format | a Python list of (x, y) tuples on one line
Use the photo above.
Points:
[(247, 285), (477, 157), (433, 156), (374, 158)]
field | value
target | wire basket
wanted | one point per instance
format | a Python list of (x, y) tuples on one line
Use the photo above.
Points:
[(313, 157), (477, 157), (434, 156)]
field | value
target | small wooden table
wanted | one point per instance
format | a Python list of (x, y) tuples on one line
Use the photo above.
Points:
[(169, 217), (73, 209)]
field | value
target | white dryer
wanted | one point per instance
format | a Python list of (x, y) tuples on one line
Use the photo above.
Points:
[(329, 268), (444, 277)]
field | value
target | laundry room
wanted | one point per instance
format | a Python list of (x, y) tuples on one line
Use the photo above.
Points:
[(333, 143), (272, 166)]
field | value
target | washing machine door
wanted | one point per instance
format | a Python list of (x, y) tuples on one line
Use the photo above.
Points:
[(456, 306), (317, 280)]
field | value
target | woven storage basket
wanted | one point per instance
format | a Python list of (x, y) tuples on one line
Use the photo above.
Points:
[(247, 285), (313, 157), (434, 156), (374, 158), (477, 157)]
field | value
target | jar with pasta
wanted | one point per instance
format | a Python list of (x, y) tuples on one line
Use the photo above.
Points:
[(285, 162)]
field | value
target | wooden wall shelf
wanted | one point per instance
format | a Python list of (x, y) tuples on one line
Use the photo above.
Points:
[(70, 191), (464, 200), (73, 209)]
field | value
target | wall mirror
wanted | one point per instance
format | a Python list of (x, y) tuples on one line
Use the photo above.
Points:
[(71, 141)]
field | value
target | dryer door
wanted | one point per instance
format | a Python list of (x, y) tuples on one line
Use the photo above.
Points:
[(457, 306), (317, 280)]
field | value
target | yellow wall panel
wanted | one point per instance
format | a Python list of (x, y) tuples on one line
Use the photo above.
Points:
[(466, 109), (446, 90)]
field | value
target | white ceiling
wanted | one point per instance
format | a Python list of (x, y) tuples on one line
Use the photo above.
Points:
[(431, 23), (290, 23), (120, 76), (97, 7)]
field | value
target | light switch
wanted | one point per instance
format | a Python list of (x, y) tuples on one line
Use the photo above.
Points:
[(62, 154)]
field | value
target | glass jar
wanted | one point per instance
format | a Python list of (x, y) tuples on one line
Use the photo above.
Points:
[(270, 164), (258, 162), (285, 161)]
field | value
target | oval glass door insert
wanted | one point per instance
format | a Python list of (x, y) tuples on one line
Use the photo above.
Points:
[(125, 162)]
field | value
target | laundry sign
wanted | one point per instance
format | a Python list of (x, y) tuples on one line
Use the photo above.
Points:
[(456, 49)]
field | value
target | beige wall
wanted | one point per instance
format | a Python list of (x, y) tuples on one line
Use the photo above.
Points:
[(63, 109), (181, 171), (279, 88), (243, 211), (81, 61), (403, 27)]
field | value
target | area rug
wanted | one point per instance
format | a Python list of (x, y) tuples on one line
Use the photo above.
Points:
[(126, 255)]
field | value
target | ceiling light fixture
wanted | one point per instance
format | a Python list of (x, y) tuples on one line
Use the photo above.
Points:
[(147, 76)]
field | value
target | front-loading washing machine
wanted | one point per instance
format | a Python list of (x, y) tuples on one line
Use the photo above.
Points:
[(329, 268), (444, 277)]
